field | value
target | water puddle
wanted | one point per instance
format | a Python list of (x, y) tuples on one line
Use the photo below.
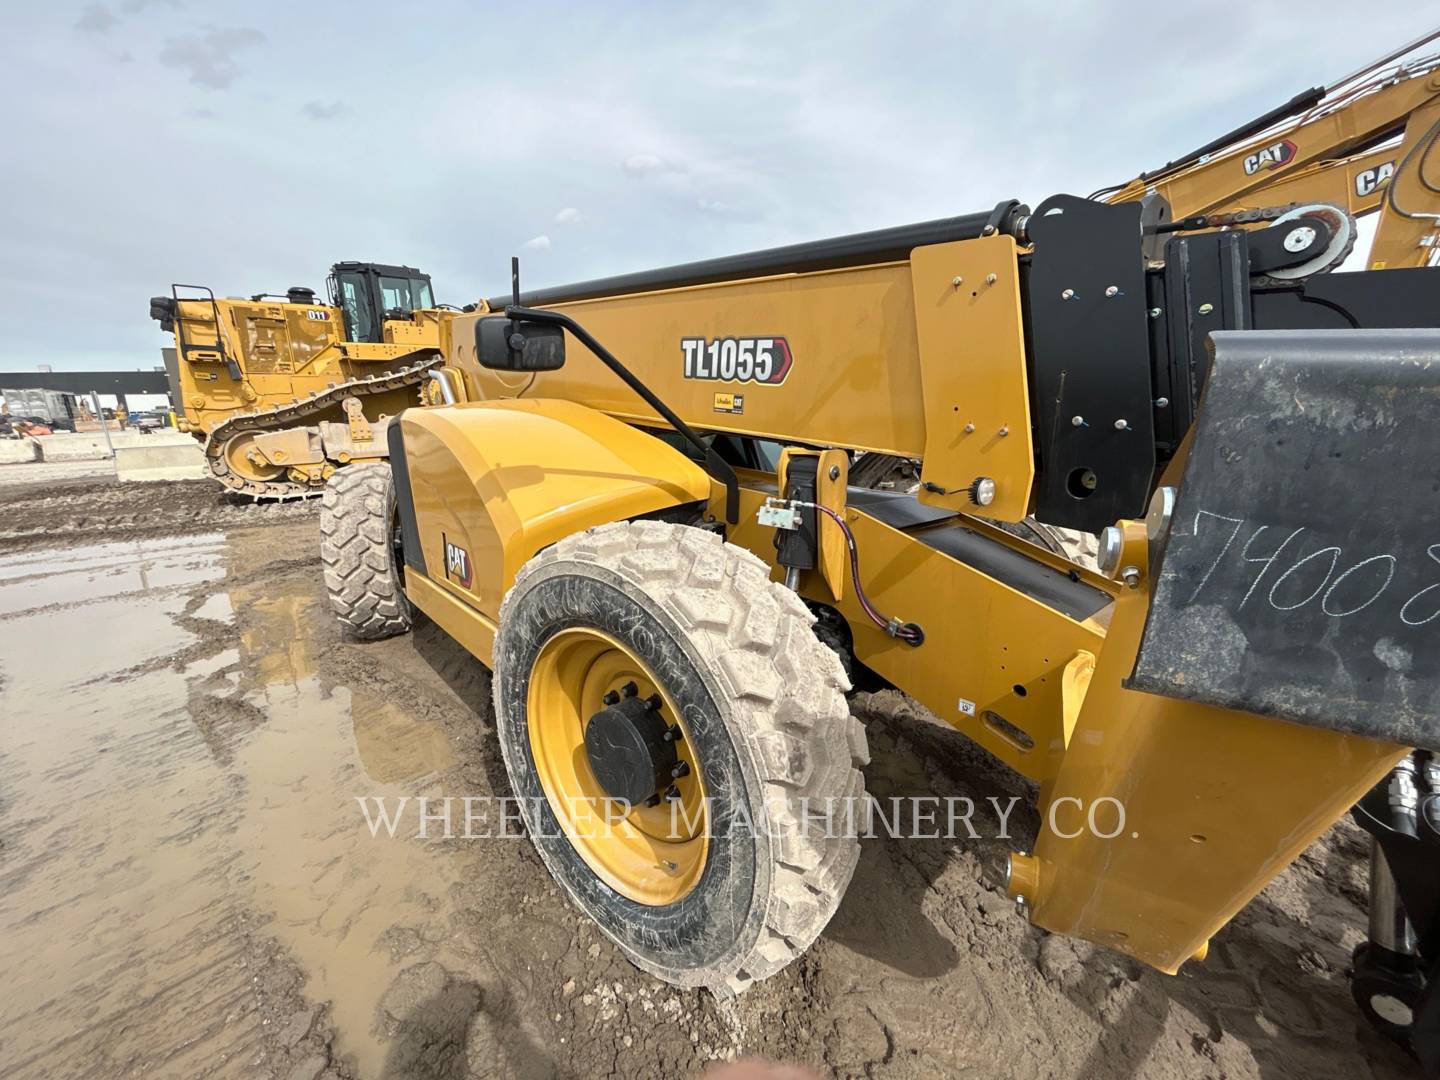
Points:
[(36, 579), (143, 821)]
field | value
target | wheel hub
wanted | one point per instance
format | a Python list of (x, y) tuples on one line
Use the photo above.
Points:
[(631, 750), (603, 729)]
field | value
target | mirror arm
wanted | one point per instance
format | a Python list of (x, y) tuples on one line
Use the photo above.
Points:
[(715, 465)]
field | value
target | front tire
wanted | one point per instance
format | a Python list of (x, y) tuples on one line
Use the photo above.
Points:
[(359, 547), (762, 707)]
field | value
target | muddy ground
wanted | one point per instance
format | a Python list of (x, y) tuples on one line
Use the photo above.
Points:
[(188, 887)]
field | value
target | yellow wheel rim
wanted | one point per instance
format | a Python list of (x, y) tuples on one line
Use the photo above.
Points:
[(653, 855)]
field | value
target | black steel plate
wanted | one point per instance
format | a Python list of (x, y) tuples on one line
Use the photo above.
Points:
[(1301, 575), (1090, 350)]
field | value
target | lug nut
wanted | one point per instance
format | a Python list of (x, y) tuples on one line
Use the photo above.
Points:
[(681, 770), (674, 734), (611, 698), (672, 793), (629, 689), (653, 702)]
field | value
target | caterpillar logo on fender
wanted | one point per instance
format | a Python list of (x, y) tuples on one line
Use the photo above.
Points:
[(1272, 157), (764, 360), (457, 563), (1372, 180)]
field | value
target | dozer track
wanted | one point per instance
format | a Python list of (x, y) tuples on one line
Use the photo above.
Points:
[(279, 417)]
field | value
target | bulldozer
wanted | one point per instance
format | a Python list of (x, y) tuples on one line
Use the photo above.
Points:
[(634, 508), (283, 390)]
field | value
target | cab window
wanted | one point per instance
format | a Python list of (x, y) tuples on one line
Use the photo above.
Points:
[(404, 294), (354, 306)]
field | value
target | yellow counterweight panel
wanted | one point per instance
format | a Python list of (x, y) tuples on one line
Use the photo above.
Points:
[(498, 481), (1215, 804)]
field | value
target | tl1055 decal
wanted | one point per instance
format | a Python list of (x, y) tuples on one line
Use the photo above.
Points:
[(764, 360)]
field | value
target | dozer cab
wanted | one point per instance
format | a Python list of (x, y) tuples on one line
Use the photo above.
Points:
[(283, 390), (634, 509), (370, 295)]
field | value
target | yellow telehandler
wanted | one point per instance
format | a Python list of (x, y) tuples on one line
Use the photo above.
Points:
[(631, 499), (633, 507)]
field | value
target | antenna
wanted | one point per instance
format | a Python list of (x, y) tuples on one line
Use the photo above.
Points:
[(516, 340)]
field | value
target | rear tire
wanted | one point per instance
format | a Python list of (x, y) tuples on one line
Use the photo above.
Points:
[(763, 706), (358, 547)]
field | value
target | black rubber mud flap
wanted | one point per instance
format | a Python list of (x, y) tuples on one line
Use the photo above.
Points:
[(1301, 574), (404, 499)]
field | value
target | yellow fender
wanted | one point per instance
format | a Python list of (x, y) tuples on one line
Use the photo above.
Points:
[(491, 483)]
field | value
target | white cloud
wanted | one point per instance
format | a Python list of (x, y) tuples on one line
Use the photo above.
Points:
[(568, 216), (537, 243)]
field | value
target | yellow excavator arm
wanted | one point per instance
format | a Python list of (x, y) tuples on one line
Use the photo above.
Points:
[(1362, 144)]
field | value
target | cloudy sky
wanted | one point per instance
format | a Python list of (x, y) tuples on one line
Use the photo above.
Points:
[(248, 146)]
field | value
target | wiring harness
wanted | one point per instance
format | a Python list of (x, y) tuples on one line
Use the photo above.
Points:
[(908, 632)]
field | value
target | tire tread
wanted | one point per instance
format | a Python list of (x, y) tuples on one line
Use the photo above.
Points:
[(787, 710)]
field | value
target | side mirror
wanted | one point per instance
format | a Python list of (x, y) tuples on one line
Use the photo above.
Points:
[(503, 344)]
